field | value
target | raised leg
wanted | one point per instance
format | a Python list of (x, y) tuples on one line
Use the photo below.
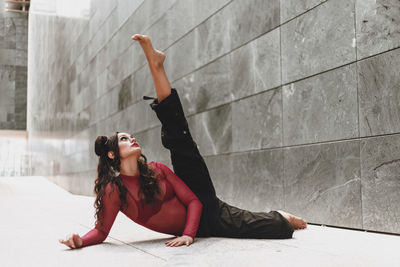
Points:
[(155, 60), (186, 159)]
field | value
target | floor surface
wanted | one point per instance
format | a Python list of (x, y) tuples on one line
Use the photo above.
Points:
[(35, 213)]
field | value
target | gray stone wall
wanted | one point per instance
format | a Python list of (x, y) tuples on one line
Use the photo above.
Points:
[(294, 104), (13, 69)]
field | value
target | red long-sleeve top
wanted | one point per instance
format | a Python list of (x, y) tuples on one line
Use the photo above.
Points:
[(176, 212)]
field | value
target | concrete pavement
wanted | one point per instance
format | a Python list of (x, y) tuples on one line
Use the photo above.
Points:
[(35, 213)]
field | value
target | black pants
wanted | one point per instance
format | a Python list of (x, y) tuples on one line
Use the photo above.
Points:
[(218, 218)]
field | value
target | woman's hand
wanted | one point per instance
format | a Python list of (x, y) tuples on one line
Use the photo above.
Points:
[(72, 241), (185, 239)]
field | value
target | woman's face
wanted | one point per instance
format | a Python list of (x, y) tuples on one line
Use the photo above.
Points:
[(128, 147)]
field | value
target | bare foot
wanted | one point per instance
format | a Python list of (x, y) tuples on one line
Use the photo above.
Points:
[(154, 57), (296, 222)]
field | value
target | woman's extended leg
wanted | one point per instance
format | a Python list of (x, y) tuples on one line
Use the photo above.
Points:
[(155, 59), (187, 162), (186, 159)]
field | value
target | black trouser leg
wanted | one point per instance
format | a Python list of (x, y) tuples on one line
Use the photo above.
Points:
[(187, 162), (240, 223)]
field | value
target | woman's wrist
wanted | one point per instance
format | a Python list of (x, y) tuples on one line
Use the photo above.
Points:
[(190, 237)]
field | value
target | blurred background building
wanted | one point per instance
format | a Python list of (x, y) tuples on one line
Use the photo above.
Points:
[(14, 157), (294, 104)]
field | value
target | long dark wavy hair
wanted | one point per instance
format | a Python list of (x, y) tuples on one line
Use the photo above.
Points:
[(108, 171)]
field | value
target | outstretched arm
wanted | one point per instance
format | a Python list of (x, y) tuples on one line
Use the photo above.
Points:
[(111, 204), (155, 60)]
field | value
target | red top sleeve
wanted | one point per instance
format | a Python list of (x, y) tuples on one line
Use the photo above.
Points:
[(187, 197), (111, 204)]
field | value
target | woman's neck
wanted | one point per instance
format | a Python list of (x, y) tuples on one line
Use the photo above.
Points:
[(129, 167)]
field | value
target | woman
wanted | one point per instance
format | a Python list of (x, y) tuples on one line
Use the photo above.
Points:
[(183, 203)]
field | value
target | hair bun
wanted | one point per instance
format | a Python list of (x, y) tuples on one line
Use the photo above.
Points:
[(100, 145)]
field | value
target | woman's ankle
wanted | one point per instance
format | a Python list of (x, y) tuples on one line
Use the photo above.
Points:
[(155, 66)]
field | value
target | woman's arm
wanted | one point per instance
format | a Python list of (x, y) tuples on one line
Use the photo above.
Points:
[(187, 197), (111, 204)]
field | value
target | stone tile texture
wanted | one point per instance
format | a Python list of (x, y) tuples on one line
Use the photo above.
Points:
[(380, 162), (322, 182), (321, 108), (378, 26), (13, 70), (318, 40), (379, 94)]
